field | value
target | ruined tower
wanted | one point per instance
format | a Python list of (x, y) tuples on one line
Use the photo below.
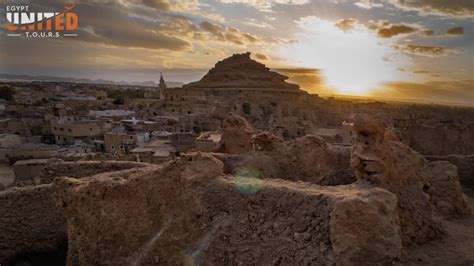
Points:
[(162, 84)]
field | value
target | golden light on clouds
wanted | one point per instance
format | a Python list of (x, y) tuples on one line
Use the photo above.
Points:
[(388, 48), (353, 61)]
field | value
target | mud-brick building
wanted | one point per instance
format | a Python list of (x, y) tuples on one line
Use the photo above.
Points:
[(69, 130)]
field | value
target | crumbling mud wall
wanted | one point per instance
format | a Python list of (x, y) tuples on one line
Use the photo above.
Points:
[(399, 169), (77, 169), (308, 159), (442, 139), (188, 212), (31, 226), (82, 169), (446, 193), (236, 136), (465, 165)]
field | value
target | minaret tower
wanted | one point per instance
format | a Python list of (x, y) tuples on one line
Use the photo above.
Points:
[(162, 84)]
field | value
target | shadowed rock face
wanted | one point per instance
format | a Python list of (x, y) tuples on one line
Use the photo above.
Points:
[(187, 212), (240, 71), (402, 171)]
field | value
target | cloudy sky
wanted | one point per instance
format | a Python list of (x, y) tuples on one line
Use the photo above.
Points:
[(401, 49)]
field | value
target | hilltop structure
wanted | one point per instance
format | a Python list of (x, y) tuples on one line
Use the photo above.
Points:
[(241, 72), (245, 87)]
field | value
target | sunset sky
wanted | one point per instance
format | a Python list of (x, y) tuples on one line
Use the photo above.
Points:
[(400, 49)]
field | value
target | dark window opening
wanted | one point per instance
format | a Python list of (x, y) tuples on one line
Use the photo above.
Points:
[(246, 108)]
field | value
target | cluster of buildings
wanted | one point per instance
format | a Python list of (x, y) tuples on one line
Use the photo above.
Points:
[(74, 121)]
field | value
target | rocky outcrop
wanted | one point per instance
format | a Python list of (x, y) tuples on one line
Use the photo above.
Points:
[(465, 165), (236, 136), (240, 71), (32, 228), (446, 193), (188, 212), (399, 169)]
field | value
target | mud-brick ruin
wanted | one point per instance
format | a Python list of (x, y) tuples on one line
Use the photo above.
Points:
[(257, 198), (246, 87), (221, 208), (222, 219)]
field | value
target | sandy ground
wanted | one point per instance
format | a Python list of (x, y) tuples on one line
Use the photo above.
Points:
[(6, 174), (456, 247)]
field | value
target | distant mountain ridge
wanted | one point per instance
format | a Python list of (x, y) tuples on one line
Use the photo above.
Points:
[(83, 80)]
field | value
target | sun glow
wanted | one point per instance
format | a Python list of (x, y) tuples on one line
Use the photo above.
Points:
[(353, 62)]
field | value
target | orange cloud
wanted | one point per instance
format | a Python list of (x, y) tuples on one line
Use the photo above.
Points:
[(456, 31), (463, 8), (158, 4), (429, 33), (395, 30), (261, 56), (421, 50), (231, 34), (346, 24)]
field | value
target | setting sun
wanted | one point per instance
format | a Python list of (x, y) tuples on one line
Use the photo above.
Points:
[(353, 61)]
